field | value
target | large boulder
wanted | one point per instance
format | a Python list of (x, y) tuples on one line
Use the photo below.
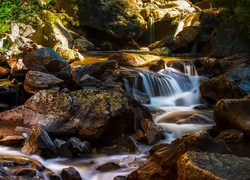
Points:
[(197, 165), (118, 18), (233, 114), (162, 164), (95, 115)]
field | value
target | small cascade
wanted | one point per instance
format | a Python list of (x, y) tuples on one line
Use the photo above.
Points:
[(192, 19), (151, 29), (186, 67)]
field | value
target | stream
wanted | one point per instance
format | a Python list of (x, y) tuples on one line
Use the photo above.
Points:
[(171, 93)]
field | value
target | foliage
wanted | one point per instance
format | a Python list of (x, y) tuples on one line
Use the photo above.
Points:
[(241, 14), (16, 11)]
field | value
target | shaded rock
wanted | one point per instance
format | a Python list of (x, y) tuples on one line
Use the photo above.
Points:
[(62, 148), (196, 165), (163, 163), (232, 85), (153, 132), (4, 72), (134, 60), (39, 143), (231, 135), (70, 173), (127, 144), (110, 166), (87, 80), (79, 148), (121, 19), (96, 70), (233, 114), (9, 95), (36, 81), (44, 60)]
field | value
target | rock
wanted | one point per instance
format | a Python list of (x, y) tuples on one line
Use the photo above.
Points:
[(122, 19), (127, 144), (12, 140), (62, 148), (85, 44), (79, 148), (232, 85), (44, 60), (69, 54), (70, 173), (9, 95), (231, 135), (153, 132), (196, 165), (96, 70), (20, 167), (73, 114), (87, 80), (163, 163), (110, 166), (39, 143), (52, 32), (233, 114), (36, 81), (134, 60)]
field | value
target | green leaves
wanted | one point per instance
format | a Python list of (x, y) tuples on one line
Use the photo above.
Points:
[(24, 11)]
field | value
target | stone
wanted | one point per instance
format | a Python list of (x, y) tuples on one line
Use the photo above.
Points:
[(205, 165), (70, 173), (134, 60), (39, 143), (36, 81), (163, 163), (109, 166), (233, 114), (79, 148)]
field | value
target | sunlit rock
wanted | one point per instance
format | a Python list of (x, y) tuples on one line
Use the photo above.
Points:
[(134, 60), (163, 163), (196, 165)]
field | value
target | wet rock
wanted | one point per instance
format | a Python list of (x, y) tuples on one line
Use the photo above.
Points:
[(39, 143), (233, 114), (70, 173), (22, 131), (231, 135), (36, 81), (232, 85), (127, 144), (153, 132), (110, 166), (127, 161), (134, 60), (78, 147), (20, 167), (69, 54), (12, 140), (194, 165), (163, 163), (62, 148)]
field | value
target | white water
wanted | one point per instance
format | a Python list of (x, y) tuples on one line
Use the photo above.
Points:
[(176, 92)]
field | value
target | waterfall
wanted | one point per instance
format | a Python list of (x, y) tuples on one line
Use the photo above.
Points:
[(151, 29), (192, 19), (186, 67)]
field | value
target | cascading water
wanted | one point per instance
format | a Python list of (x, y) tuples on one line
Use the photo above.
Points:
[(151, 29), (170, 91)]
